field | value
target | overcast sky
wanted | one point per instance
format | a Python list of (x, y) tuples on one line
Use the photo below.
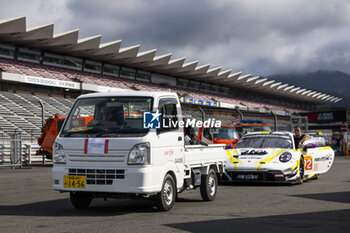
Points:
[(253, 36)]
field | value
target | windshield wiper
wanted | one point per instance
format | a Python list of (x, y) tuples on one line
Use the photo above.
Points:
[(93, 130), (107, 132), (120, 131), (133, 131)]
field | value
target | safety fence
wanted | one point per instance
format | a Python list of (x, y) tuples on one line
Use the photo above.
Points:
[(15, 153)]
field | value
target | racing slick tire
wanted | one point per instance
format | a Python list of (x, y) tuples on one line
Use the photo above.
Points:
[(165, 199), (209, 185), (315, 177), (300, 179), (80, 200)]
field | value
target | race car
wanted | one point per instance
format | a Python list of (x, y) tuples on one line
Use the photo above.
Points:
[(271, 157)]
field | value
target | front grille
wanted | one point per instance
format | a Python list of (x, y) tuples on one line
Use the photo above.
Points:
[(256, 175), (262, 176), (103, 158), (98, 176)]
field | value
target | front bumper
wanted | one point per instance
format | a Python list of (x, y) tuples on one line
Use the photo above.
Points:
[(132, 180), (277, 176)]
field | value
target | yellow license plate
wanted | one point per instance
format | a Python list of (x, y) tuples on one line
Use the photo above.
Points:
[(70, 181)]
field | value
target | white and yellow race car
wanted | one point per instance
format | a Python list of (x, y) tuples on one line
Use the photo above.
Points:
[(271, 156)]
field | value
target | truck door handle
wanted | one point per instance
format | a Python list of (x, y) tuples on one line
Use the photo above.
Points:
[(179, 138)]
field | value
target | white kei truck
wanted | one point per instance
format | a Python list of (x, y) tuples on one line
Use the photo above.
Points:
[(130, 144)]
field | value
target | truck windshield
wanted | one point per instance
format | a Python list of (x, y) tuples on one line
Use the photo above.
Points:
[(265, 141), (107, 116), (225, 133)]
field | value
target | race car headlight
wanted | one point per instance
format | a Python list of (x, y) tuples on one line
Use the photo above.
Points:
[(139, 154), (285, 157), (58, 154)]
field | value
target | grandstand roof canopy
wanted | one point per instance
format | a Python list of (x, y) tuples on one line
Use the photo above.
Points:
[(15, 31)]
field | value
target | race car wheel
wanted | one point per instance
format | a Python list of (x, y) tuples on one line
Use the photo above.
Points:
[(301, 171), (166, 197), (209, 186), (80, 200)]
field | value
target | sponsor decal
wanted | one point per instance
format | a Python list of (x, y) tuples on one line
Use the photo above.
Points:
[(201, 102), (324, 158), (254, 152), (267, 135), (321, 116), (169, 153), (51, 82), (250, 157)]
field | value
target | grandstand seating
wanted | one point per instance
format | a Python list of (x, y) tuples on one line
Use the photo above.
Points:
[(22, 112), (31, 69), (46, 71)]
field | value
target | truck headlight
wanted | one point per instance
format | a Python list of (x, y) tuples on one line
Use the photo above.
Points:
[(140, 154), (285, 157), (58, 154)]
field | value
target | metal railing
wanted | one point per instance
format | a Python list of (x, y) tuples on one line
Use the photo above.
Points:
[(15, 153)]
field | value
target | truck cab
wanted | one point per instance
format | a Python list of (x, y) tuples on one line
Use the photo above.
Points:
[(133, 146)]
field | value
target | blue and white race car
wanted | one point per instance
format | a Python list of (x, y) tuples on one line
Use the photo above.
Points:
[(271, 156)]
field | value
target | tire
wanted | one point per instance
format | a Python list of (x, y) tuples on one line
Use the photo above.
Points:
[(301, 171), (315, 177), (209, 186), (165, 199), (80, 200)]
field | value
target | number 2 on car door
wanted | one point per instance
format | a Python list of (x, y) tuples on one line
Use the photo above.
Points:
[(308, 162)]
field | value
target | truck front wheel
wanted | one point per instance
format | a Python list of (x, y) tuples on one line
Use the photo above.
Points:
[(166, 197), (209, 186), (80, 200)]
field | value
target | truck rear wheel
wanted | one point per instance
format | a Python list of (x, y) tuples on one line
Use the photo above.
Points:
[(209, 186), (80, 200), (166, 197)]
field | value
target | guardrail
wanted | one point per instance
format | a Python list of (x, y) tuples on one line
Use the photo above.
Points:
[(15, 154)]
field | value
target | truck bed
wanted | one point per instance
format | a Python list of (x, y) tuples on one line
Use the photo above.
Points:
[(201, 155)]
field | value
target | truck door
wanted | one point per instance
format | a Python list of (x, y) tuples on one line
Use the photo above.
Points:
[(171, 135)]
